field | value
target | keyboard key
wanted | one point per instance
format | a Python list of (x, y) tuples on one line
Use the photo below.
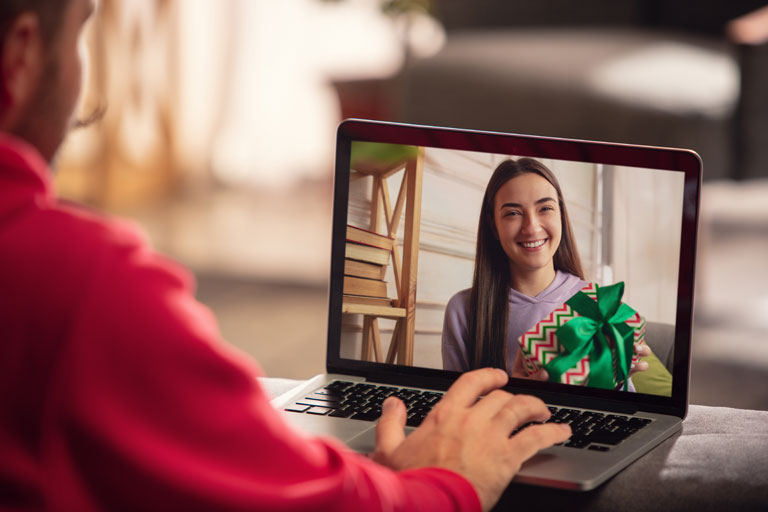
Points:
[(606, 437), (362, 389), (366, 416), (321, 411), (415, 420), (341, 413), (322, 399), (297, 408), (599, 448), (338, 385), (329, 392), (576, 443)]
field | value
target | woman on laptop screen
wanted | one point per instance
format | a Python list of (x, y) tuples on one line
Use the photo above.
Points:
[(528, 278)]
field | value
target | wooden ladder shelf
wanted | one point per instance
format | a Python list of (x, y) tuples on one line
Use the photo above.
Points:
[(385, 218)]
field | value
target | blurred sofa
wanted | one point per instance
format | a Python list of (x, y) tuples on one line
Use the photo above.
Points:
[(635, 71)]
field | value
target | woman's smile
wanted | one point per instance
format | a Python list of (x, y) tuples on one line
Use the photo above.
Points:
[(534, 244)]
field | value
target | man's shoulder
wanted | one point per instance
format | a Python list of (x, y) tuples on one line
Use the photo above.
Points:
[(70, 236), (96, 226), (35, 225), (76, 250)]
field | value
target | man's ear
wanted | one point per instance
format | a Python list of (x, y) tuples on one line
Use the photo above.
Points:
[(21, 63)]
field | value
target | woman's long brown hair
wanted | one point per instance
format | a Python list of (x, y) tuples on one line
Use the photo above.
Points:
[(488, 303)]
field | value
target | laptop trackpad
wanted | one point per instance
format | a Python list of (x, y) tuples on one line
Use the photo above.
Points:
[(365, 442), (340, 428)]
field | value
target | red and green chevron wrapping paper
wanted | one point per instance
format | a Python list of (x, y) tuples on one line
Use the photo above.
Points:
[(540, 344)]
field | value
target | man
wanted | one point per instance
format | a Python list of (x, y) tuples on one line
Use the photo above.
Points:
[(116, 391)]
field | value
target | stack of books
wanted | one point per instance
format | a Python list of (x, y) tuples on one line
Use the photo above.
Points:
[(365, 266)]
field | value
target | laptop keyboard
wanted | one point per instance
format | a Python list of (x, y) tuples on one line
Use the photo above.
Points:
[(362, 401), (595, 430)]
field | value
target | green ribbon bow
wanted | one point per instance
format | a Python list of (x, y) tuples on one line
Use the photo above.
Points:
[(589, 334)]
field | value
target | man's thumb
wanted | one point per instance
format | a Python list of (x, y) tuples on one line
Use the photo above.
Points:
[(390, 429)]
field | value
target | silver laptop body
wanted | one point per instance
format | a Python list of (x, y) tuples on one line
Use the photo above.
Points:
[(625, 202)]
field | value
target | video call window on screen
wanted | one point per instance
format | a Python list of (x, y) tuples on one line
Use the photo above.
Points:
[(441, 243)]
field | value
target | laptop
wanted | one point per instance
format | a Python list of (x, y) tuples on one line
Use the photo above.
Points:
[(406, 207)]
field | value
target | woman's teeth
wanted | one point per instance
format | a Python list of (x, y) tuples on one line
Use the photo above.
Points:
[(533, 245)]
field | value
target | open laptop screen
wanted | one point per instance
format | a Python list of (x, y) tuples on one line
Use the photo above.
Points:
[(442, 240)]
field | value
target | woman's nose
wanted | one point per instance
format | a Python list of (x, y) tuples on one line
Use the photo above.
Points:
[(530, 224)]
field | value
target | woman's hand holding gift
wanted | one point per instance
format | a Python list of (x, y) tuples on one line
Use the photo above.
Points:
[(641, 350)]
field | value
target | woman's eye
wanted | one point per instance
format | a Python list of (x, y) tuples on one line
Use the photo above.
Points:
[(548, 208), (509, 213)]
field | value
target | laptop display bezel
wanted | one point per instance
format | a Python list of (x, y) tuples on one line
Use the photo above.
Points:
[(680, 160)]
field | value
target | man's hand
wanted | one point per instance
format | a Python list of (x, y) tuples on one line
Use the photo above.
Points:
[(468, 436)]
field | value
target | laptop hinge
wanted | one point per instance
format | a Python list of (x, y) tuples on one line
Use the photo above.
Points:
[(416, 381)]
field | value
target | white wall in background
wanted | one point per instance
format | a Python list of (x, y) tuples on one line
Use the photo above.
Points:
[(279, 112), (647, 222)]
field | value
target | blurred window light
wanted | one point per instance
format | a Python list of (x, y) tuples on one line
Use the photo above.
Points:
[(673, 77), (239, 90), (138, 58), (279, 117)]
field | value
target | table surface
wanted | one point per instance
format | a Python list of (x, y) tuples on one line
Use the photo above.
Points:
[(719, 461)]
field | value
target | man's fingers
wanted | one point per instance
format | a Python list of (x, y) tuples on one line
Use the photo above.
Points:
[(526, 443), (469, 386), (492, 403), (390, 429), (521, 409)]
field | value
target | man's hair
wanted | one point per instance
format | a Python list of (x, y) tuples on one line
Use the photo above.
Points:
[(49, 12)]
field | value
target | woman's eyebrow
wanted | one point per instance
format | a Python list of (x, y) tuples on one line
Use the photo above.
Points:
[(518, 205)]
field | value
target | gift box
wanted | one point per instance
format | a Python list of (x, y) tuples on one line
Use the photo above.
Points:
[(587, 341)]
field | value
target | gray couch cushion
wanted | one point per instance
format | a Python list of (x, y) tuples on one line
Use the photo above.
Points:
[(717, 463), (661, 339)]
